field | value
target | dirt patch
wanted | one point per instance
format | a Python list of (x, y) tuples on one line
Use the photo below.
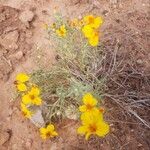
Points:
[(14, 40)]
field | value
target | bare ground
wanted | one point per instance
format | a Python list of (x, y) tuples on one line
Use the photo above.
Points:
[(126, 22)]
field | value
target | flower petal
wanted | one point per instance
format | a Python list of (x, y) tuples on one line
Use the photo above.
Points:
[(54, 133), (93, 41), (103, 129), (82, 108), (50, 127), (82, 130), (89, 99), (26, 99), (37, 101), (87, 136), (35, 91), (21, 87), (87, 31), (22, 77)]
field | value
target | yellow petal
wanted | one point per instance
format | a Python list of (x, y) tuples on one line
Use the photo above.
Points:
[(50, 127), (87, 136), (23, 106), (26, 99), (93, 41), (26, 112), (89, 99), (88, 19), (29, 114), (37, 101), (63, 28), (91, 116), (21, 87), (103, 129), (98, 22), (54, 133), (87, 31), (35, 91), (43, 130), (86, 118), (82, 130), (22, 77), (43, 134), (82, 108), (87, 96)]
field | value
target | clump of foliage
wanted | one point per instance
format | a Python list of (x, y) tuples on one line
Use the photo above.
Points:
[(60, 89), (79, 57)]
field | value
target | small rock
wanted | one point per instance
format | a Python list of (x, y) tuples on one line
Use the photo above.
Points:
[(5, 68), (26, 16), (4, 137), (17, 55), (29, 34), (37, 118), (12, 36), (2, 17), (28, 143), (139, 61), (9, 40), (140, 145)]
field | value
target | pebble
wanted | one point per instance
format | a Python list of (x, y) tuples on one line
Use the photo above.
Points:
[(37, 118), (139, 61), (9, 40), (4, 136), (28, 143), (26, 16), (17, 55)]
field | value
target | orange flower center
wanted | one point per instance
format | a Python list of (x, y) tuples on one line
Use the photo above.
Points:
[(91, 20), (32, 97), (102, 110), (96, 33), (61, 32), (89, 107), (48, 134), (92, 127)]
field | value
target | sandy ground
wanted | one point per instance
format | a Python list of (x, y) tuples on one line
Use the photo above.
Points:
[(21, 35)]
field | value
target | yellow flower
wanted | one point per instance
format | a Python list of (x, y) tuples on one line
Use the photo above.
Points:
[(22, 77), (89, 103), (32, 97), (92, 21), (48, 132), (94, 39), (61, 31), (21, 87), (93, 124), (20, 82), (27, 113), (88, 31)]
